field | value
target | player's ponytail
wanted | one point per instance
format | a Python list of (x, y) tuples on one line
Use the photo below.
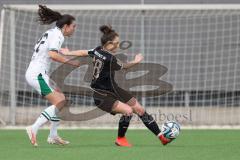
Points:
[(106, 29), (108, 34), (48, 16)]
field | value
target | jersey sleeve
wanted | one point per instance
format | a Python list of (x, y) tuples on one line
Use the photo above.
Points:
[(91, 52), (54, 43), (116, 64)]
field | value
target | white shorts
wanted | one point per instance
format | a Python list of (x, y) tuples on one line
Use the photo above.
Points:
[(40, 82)]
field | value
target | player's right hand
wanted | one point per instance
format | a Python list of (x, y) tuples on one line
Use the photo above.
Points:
[(64, 51)]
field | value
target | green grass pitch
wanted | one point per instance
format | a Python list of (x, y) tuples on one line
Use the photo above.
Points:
[(99, 145)]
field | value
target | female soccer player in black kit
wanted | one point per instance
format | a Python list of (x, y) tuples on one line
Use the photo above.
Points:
[(108, 96)]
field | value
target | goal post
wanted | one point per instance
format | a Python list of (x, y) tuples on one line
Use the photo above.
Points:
[(195, 46), (1, 39), (29, 7)]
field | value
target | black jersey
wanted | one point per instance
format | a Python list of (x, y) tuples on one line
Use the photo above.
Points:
[(105, 64)]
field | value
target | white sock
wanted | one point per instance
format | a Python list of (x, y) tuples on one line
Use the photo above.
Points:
[(46, 115), (38, 123), (53, 129)]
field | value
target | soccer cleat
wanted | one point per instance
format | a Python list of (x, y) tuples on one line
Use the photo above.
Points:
[(57, 140), (31, 136), (123, 142), (164, 140)]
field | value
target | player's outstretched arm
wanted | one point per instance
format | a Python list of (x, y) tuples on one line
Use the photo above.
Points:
[(138, 58), (60, 58), (80, 53)]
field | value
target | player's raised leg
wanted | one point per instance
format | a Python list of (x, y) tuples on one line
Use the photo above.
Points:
[(41, 120), (148, 120)]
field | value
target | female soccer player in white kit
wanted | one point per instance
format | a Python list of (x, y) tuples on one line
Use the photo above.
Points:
[(46, 50)]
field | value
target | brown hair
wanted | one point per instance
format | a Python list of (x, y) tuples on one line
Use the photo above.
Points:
[(108, 34), (48, 16)]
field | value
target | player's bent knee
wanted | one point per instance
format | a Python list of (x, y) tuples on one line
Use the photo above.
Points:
[(139, 110), (60, 95), (129, 111), (58, 99), (61, 104)]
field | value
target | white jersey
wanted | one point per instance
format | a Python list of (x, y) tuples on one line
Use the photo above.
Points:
[(50, 40)]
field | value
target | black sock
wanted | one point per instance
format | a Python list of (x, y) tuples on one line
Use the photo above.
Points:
[(123, 125), (150, 123)]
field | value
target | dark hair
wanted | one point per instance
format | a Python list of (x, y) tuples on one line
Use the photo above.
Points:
[(108, 34), (48, 16)]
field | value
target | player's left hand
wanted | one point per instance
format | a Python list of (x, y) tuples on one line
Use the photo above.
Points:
[(138, 58)]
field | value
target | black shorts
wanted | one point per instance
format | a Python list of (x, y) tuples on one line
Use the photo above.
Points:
[(105, 99)]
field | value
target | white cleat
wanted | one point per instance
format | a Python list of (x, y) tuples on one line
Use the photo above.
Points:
[(31, 136), (57, 140)]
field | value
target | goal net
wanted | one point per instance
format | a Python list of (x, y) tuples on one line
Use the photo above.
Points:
[(190, 72)]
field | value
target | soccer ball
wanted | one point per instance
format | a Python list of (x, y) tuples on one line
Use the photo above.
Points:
[(170, 129)]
